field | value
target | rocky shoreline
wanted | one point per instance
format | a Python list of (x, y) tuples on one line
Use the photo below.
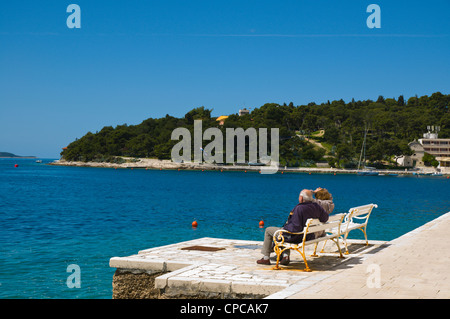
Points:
[(146, 163)]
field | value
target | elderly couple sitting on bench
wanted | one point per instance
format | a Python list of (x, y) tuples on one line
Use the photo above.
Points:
[(308, 208), (310, 223)]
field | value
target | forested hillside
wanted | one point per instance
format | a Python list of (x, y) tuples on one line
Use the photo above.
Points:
[(391, 124)]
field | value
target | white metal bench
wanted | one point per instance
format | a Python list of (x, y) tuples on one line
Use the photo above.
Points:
[(357, 218), (312, 226)]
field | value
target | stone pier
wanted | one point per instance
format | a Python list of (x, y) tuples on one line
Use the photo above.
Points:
[(414, 265), (223, 268)]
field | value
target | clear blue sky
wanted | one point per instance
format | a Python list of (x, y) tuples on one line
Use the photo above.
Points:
[(132, 60)]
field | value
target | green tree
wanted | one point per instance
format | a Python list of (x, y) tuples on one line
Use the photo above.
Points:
[(429, 160)]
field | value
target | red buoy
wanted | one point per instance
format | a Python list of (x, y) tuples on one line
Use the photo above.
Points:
[(194, 224), (16, 165), (261, 224)]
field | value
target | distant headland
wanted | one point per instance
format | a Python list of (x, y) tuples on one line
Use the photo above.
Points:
[(11, 155), (389, 133)]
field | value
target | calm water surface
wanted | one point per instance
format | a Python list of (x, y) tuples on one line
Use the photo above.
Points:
[(52, 217)]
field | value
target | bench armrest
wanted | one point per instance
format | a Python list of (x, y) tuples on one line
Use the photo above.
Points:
[(278, 237)]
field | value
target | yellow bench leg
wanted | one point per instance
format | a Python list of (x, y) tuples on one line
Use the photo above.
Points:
[(304, 259), (315, 249), (323, 247), (278, 251)]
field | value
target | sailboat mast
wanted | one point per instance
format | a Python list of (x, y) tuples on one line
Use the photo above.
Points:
[(363, 148)]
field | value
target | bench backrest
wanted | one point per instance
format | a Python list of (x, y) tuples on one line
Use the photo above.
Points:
[(361, 213), (314, 225)]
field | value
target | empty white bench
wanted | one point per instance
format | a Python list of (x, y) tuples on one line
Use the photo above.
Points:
[(356, 218), (312, 226)]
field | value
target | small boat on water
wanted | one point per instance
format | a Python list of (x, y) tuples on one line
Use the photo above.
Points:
[(422, 173), (389, 174), (437, 174), (38, 161), (368, 171), (256, 164)]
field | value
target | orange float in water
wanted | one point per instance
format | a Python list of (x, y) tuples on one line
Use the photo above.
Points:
[(261, 224), (194, 224)]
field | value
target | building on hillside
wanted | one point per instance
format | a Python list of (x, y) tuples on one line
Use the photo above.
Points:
[(221, 119), (243, 111)]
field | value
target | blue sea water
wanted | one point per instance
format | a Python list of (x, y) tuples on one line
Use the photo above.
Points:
[(52, 217)]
